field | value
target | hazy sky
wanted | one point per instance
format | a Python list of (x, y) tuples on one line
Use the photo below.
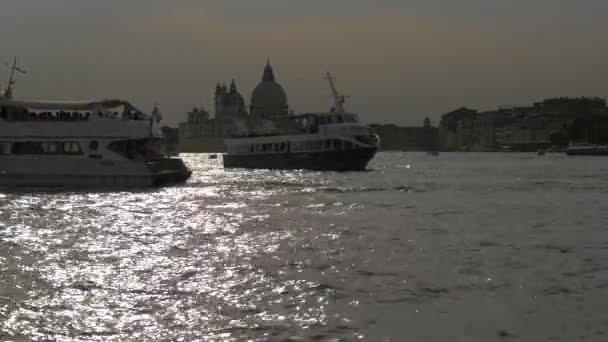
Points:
[(400, 60)]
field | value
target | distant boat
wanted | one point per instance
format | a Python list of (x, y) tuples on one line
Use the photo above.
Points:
[(213, 156)]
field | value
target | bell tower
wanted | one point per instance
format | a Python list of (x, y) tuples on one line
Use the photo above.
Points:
[(220, 94)]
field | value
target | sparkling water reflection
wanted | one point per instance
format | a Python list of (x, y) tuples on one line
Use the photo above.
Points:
[(461, 247)]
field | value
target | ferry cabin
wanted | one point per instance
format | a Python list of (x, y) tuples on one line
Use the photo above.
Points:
[(307, 133), (99, 130)]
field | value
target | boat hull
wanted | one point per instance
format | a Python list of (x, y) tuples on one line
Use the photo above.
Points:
[(588, 151), (91, 174), (351, 160)]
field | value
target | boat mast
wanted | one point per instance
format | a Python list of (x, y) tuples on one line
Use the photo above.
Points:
[(338, 99), (8, 93)]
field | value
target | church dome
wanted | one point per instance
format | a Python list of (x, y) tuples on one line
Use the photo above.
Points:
[(269, 94), (269, 98)]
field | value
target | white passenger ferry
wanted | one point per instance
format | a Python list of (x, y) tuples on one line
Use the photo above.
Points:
[(334, 141), (107, 143)]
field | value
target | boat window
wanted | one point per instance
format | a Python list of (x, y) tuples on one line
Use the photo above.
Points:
[(337, 144), (94, 145), (349, 117), (5, 148), (50, 147), (327, 144), (339, 119), (366, 139), (71, 148), (330, 119), (27, 148), (348, 145), (37, 147), (137, 149)]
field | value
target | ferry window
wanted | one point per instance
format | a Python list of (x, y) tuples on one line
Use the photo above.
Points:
[(348, 145), (71, 148), (5, 148), (309, 145), (327, 144), (94, 145), (349, 118), (251, 148), (28, 147), (337, 144), (318, 145), (330, 120), (339, 119), (49, 147), (283, 145), (120, 147)]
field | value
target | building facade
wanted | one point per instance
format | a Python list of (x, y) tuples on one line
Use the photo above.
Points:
[(399, 138), (523, 128)]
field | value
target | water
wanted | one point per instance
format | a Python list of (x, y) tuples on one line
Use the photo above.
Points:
[(460, 247)]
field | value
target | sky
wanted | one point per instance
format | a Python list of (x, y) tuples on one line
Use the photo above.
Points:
[(399, 60)]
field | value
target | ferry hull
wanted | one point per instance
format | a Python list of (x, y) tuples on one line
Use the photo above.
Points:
[(352, 160), (62, 175), (588, 151)]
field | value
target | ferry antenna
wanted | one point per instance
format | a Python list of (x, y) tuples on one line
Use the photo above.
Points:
[(8, 93), (338, 99)]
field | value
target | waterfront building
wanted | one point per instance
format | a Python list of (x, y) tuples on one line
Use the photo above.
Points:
[(456, 129), (399, 138), (573, 106), (524, 128)]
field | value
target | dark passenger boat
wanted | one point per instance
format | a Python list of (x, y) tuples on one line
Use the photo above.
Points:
[(334, 141)]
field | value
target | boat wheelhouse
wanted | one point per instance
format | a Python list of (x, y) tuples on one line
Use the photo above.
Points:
[(318, 141)]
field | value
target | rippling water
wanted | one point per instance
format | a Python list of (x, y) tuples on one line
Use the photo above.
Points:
[(460, 247)]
